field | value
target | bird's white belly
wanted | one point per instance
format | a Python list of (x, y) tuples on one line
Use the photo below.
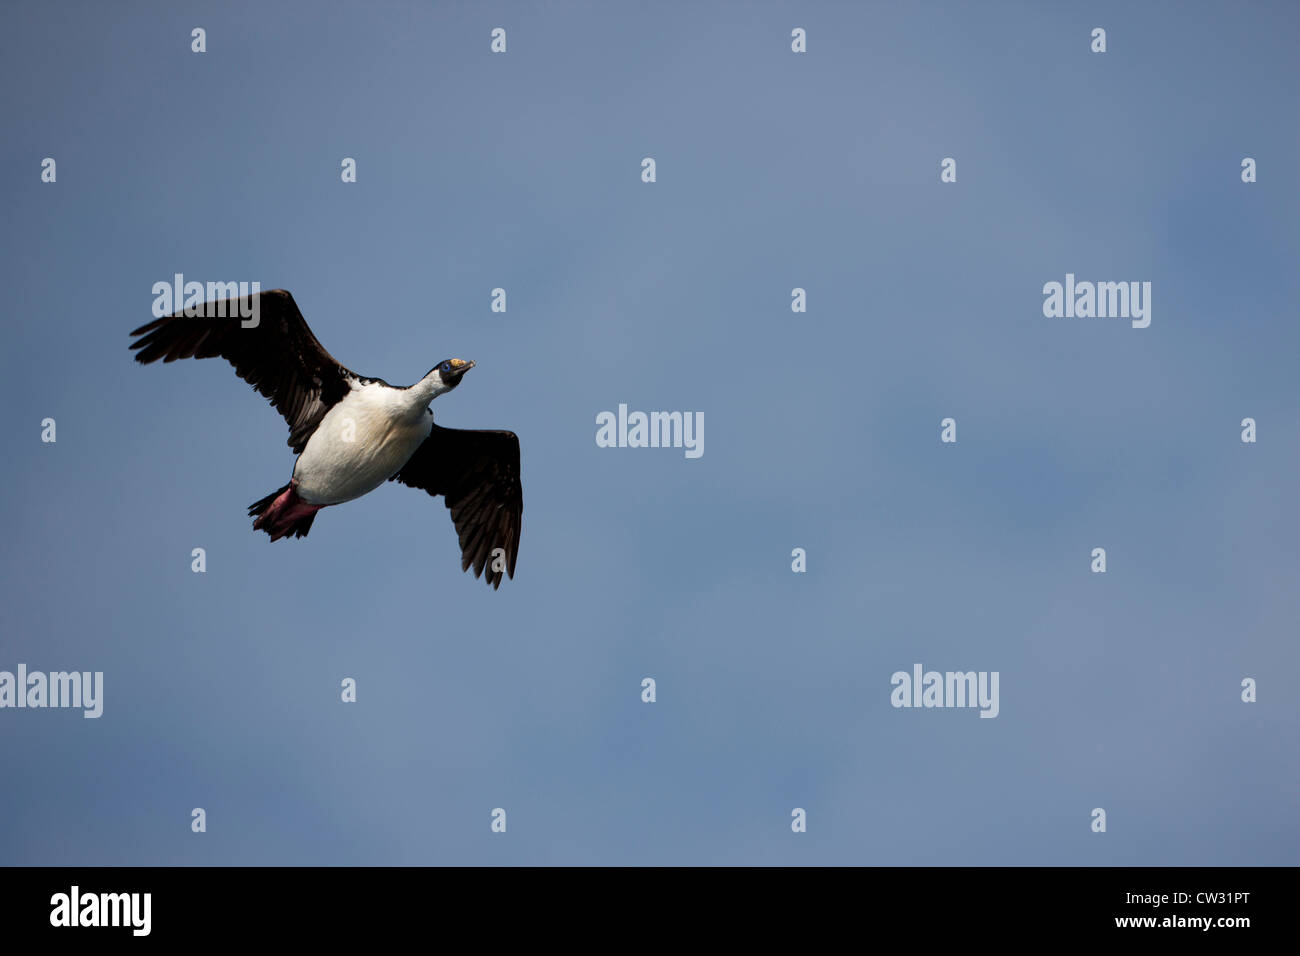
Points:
[(360, 443)]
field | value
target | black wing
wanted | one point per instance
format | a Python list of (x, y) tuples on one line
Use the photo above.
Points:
[(279, 356), (478, 473)]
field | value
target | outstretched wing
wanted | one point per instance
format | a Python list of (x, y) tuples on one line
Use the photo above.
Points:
[(278, 356), (478, 473)]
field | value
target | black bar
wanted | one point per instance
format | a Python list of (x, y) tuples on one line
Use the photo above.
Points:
[(242, 904)]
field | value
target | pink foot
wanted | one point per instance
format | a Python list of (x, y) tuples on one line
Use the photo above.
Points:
[(287, 514)]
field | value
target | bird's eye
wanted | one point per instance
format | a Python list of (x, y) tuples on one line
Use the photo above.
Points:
[(444, 367)]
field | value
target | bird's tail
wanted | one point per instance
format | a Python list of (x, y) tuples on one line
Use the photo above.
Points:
[(282, 513)]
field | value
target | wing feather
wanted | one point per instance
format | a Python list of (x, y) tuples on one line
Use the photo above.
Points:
[(279, 356), (477, 473)]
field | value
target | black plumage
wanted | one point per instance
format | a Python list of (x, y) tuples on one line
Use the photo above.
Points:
[(280, 356), (477, 473)]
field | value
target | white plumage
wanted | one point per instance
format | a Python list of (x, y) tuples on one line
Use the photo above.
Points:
[(362, 442)]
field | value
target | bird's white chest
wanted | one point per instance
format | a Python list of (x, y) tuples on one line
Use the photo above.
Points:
[(361, 442)]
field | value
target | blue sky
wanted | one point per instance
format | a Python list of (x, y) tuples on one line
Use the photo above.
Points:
[(774, 171)]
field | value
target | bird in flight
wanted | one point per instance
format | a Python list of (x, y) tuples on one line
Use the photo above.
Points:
[(352, 433)]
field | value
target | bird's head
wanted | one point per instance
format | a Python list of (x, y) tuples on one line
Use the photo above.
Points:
[(447, 374)]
